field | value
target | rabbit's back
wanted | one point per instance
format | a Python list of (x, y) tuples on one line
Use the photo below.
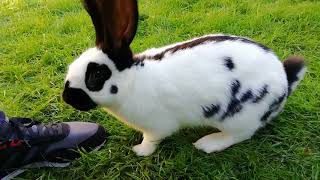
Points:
[(206, 83)]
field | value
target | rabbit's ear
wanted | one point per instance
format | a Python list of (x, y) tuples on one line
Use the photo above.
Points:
[(115, 22), (92, 9)]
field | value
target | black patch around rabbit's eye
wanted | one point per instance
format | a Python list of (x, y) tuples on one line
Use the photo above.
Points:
[(96, 76)]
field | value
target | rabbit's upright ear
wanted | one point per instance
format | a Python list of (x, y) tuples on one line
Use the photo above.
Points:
[(115, 23)]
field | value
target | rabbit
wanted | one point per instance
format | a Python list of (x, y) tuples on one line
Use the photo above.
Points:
[(228, 82)]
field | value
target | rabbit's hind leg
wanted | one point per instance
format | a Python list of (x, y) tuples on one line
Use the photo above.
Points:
[(219, 141)]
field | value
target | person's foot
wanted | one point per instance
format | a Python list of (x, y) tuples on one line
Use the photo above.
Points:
[(26, 143)]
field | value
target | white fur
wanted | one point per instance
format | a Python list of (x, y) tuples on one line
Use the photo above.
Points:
[(166, 95)]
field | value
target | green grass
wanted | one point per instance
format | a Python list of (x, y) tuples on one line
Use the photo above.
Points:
[(39, 38)]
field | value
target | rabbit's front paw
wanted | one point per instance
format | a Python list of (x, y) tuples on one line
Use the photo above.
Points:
[(144, 149)]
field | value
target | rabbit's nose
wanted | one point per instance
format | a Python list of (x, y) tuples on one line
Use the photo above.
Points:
[(77, 98)]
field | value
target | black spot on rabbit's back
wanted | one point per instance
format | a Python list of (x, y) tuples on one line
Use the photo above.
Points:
[(209, 111), (246, 96), (234, 106), (139, 62), (239, 99), (265, 48), (113, 89), (274, 106), (202, 40), (235, 87), (229, 63), (262, 93), (266, 115)]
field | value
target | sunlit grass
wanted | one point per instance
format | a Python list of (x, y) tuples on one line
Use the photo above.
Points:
[(38, 38)]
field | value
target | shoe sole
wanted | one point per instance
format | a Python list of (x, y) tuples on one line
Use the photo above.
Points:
[(17, 172)]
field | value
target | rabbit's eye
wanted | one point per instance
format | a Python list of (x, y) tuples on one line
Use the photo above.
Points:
[(98, 73)]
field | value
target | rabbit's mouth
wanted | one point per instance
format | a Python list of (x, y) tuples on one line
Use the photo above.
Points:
[(77, 98)]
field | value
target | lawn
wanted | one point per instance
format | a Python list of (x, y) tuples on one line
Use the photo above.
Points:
[(39, 38)]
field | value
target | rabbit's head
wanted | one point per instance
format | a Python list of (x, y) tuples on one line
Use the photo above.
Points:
[(93, 78)]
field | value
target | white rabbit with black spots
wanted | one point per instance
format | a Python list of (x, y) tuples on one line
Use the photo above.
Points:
[(228, 82)]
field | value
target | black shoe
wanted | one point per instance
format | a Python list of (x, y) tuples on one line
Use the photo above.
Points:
[(25, 143)]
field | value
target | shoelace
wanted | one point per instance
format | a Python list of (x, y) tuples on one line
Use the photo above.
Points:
[(14, 135), (22, 125), (33, 132)]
